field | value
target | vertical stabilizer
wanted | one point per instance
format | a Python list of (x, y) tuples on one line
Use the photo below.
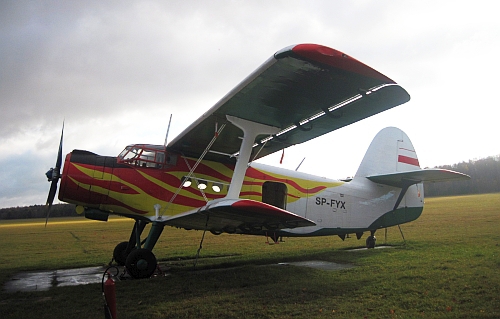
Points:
[(391, 151)]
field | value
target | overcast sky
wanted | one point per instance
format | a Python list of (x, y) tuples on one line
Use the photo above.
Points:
[(114, 71)]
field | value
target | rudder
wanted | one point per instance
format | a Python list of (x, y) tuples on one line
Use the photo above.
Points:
[(391, 151)]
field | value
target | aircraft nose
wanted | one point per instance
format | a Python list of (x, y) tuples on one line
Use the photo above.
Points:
[(83, 180)]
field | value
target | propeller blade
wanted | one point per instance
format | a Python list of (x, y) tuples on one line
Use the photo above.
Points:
[(59, 153), (53, 176), (52, 193), (50, 199)]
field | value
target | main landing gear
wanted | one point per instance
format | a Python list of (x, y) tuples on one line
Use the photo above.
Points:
[(370, 240), (139, 260)]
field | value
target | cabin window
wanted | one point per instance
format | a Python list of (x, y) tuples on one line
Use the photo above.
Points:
[(186, 182), (202, 184), (275, 194), (217, 187)]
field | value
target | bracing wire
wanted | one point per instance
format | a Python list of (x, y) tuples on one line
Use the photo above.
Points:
[(191, 171)]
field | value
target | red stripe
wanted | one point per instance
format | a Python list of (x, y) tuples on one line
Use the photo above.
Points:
[(408, 160), (338, 59)]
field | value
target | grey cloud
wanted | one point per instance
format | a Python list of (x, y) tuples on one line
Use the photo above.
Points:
[(93, 63)]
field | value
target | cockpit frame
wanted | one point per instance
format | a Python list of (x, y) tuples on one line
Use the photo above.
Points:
[(147, 156)]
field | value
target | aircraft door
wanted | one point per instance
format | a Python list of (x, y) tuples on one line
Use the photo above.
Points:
[(328, 209), (274, 193)]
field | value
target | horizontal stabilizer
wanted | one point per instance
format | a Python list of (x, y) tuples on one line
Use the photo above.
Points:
[(401, 179), (238, 216)]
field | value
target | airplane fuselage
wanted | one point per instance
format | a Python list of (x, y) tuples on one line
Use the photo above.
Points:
[(131, 185)]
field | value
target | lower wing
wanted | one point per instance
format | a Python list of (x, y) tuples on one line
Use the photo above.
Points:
[(238, 216)]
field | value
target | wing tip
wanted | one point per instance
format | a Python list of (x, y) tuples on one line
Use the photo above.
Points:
[(331, 57)]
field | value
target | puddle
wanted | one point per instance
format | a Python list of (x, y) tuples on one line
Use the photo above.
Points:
[(43, 280), (376, 247), (318, 264)]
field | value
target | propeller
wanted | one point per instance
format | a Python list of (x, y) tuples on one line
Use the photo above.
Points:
[(53, 176)]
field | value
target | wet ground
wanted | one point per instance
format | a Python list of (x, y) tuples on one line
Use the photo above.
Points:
[(318, 264), (377, 247), (43, 280)]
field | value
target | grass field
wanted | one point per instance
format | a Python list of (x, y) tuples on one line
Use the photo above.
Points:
[(449, 267)]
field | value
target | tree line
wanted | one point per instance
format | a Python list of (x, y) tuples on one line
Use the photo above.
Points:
[(484, 173), (38, 211)]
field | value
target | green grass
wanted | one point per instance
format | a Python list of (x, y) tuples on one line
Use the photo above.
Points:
[(448, 268)]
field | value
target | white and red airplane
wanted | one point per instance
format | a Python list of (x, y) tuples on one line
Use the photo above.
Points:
[(206, 178)]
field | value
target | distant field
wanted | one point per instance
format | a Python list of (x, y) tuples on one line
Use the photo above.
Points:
[(448, 268)]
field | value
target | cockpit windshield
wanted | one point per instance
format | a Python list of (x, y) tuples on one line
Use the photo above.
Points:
[(144, 155)]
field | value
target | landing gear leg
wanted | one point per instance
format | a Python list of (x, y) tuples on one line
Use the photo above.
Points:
[(370, 240), (141, 262), (123, 249), (276, 237)]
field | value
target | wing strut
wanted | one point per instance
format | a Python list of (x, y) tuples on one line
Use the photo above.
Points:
[(250, 131), (404, 189)]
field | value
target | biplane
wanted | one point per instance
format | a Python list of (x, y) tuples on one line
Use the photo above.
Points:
[(207, 179)]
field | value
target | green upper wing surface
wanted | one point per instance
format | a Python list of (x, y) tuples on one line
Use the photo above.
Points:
[(305, 90)]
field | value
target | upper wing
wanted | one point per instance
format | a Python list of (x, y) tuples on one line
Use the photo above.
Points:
[(306, 90), (425, 175), (238, 216)]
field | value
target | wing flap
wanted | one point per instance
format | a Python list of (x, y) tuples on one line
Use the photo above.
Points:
[(295, 90), (238, 216), (402, 179)]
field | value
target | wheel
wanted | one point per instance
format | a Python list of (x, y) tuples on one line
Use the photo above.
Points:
[(141, 263), (120, 253), (370, 242)]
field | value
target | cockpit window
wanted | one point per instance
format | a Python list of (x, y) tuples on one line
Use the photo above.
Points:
[(130, 153), (146, 156)]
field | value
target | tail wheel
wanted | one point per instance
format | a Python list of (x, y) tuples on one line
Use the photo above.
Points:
[(141, 263), (370, 242)]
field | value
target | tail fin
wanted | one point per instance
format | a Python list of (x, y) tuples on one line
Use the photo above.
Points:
[(391, 159), (391, 151)]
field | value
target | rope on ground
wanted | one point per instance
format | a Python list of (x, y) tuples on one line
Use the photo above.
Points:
[(402, 235)]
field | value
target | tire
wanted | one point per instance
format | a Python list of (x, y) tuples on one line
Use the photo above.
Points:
[(141, 263), (120, 253), (370, 242)]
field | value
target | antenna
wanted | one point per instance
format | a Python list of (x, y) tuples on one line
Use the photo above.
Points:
[(168, 129), (302, 161)]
